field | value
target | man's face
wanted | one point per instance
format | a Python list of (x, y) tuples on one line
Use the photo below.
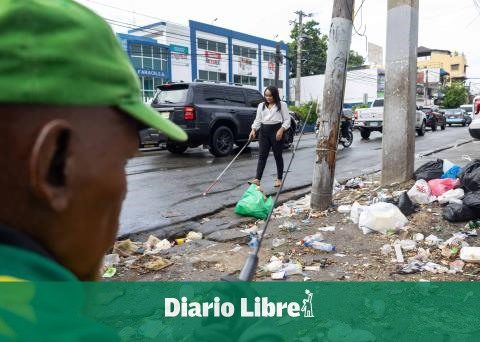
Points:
[(102, 148)]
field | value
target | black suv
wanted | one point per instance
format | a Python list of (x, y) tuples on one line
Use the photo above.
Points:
[(212, 114)]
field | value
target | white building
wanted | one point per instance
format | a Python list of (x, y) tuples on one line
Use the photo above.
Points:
[(168, 52), (362, 85)]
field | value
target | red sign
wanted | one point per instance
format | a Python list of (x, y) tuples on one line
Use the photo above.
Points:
[(212, 57), (271, 66)]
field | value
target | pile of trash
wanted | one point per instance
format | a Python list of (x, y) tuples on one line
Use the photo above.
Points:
[(421, 252), (143, 256), (281, 267), (436, 181), (457, 188)]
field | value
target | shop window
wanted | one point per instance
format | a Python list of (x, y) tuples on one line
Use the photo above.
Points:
[(135, 49), (202, 43), (136, 62), (212, 76), (157, 64), (455, 67), (267, 82), (147, 63)]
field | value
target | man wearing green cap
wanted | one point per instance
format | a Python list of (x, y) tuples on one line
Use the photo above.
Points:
[(70, 109)]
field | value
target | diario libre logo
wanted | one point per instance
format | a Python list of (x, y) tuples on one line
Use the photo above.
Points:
[(256, 307)]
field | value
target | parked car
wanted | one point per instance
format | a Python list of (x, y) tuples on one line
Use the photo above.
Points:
[(434, 118), (457, 116), (216, 115), (468, 108), (368, 120)]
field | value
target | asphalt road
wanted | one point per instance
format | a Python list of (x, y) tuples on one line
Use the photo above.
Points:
[(165, 189)]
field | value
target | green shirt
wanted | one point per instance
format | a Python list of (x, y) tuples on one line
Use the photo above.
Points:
[(45, 301)]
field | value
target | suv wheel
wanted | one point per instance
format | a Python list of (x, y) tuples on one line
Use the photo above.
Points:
[(221, 144), (176, 148), (365, 134), (421, 130)]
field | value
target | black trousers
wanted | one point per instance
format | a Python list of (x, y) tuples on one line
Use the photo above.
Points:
[(267, 141)]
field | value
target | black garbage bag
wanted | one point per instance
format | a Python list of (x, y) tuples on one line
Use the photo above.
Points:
[(470, 176), (406, 205), (455, 212), (472, 200), (430, 170)]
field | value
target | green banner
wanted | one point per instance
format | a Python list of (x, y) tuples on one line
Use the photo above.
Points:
[(223, 311)]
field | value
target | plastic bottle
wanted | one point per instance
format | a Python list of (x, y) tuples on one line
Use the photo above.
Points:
[(253, 242), (309, 239), (323, 246)]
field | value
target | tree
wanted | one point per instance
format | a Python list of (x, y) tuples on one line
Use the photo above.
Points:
[(314, 50), (455, 95), (354, 59)]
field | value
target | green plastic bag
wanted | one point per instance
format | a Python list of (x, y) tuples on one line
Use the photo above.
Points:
[(254, 203)]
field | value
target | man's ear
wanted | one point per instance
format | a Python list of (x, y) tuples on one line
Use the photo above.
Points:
[(51, 163)]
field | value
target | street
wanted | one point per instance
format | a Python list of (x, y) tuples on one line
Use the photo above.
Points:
[(166, 189)]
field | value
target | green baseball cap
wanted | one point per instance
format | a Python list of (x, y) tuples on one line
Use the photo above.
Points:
[(58, 52)]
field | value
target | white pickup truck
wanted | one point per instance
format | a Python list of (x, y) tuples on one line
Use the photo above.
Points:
[(370, 119)]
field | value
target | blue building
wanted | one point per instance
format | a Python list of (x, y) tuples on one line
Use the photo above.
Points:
[(167, 52)]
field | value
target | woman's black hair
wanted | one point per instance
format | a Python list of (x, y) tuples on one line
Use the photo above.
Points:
[(276, 97)]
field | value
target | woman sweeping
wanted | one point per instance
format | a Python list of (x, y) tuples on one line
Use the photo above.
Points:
[(271, 122)]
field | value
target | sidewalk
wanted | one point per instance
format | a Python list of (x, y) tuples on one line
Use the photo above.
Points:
[(357, 256)]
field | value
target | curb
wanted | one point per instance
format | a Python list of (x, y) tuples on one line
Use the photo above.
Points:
[(440, 149), (295, 193)]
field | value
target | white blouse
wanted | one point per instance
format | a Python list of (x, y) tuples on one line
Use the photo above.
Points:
[(272, 116)]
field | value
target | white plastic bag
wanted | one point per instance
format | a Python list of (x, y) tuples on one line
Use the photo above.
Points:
[(382, 217), (355, 212), (420, 193), (452, 196)]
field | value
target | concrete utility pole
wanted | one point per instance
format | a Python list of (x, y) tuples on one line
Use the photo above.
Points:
[(335, 74), (301, 14), (398, 144), (278, 60), (425, 90)]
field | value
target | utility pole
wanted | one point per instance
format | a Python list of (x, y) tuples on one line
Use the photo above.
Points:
[(398, 143), (425, 89), (278, 61), (301, 14), (334, 88)]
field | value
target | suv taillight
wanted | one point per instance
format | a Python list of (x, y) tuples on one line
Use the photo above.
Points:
[(189, 113), (356, 115)]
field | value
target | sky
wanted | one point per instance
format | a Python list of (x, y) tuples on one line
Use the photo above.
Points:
[(443, 24)]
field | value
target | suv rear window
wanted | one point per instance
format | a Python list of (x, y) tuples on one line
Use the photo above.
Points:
[(209, 95), (235, 97), (254, 98), (378, 103), (171, 94)]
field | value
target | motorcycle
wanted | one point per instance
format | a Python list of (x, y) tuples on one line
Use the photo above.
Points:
[(346, 132)]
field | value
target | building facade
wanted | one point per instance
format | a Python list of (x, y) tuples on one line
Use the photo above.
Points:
[(454, 64), (168, 52)]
